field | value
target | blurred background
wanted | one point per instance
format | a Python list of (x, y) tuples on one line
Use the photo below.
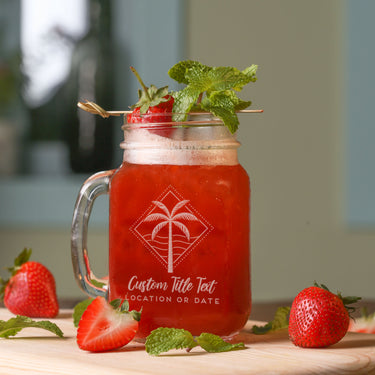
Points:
[(310, 155)]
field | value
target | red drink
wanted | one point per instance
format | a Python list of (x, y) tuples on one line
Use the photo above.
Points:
[(179, 245), (178, 228)]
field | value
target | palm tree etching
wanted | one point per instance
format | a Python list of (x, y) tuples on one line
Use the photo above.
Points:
[(170, 218)]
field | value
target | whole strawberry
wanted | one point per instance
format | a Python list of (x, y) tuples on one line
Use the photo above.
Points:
[(154, 105), (319, 318), (31, 289)]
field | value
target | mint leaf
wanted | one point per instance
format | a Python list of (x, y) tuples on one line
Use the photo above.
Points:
[(122, 306), (251, 72), (218, 79), (228, 116), (223, 104), (14, 325), (261, 330), (164, 339), (241, 104), (98, 283), (179, 71), (117, 304), (215, 344), (184, 101), (280, 321), (225, 99), (218, 83), (79, 309)]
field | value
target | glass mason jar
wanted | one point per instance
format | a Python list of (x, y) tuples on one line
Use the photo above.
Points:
[(179, 231)]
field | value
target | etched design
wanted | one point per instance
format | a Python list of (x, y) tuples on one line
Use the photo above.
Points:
[(171, 228)]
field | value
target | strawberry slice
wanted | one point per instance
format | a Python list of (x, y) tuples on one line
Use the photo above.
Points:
[(106, 326), (154, 106)]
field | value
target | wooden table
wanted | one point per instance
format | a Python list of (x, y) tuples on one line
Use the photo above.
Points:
[(35, 351)]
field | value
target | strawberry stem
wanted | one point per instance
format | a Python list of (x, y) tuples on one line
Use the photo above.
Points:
[(345, 300), (144, 87)]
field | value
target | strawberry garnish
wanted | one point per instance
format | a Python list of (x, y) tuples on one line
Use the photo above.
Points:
[(154, 105), (106, 326), (318, 317), (31, 289)]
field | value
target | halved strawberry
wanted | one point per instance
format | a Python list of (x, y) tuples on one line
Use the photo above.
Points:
[(106, 326)]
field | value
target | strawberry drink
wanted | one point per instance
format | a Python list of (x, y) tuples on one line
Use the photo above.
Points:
[(179, 220), (179, 239)]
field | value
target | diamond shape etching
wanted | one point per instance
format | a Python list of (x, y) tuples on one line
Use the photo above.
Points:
[(171, 228)]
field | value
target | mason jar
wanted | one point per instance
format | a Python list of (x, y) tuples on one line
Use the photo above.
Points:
[(179, 227)]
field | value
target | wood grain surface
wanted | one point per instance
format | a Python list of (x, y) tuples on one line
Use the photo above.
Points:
[(35, 351)]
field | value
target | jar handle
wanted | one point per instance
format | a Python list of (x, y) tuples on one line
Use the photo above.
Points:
[(94, 186)]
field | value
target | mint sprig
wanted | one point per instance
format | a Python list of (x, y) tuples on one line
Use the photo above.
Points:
[(219, 84), (224, 104), (280, 321), (14, 325), (122, 306), (164, 339), (79, 309), (215, 344)]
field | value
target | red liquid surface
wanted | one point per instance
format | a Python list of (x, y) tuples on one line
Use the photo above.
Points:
[(179, 246)]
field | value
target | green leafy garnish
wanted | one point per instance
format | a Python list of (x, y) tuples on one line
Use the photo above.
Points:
[(280, 321), (215, 344), (79, 309), (123, 307), (218, 83), (14, 325), (117, 304), (164, 339)]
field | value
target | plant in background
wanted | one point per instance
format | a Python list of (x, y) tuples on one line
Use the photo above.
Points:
[(10, 77)]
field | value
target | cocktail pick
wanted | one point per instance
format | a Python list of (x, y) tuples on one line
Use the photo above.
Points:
[(95, 109)]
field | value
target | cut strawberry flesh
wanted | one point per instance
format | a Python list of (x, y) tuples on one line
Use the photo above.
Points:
[(101, 328)]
